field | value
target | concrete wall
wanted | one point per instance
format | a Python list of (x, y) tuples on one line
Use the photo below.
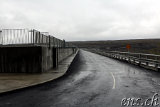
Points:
[(64, 53), (51, 55), (20, 59), (31, 59), (47, 58)]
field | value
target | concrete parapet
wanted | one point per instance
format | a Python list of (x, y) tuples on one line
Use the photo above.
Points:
[(33, 59)]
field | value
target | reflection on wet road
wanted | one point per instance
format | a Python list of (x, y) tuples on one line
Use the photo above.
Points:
[(92, 81)]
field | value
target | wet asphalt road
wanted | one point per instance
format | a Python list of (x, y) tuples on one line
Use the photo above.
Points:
[(92, 81)]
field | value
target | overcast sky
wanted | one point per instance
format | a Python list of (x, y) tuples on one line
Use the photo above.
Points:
[(84, 19)]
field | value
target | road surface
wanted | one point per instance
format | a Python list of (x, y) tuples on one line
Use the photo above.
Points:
[(92, 81)]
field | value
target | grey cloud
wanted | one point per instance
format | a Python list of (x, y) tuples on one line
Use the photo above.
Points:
[(84, 19)]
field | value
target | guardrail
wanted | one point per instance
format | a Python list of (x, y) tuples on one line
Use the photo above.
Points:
[(141, 59), (30, 37), (149, 61)]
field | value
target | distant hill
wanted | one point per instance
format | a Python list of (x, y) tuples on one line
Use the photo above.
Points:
[(137, 45)]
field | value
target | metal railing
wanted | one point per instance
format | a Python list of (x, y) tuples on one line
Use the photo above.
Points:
[(149, 61), (137, 58), (30, 37)]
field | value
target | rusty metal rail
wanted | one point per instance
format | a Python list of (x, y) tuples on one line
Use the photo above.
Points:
[(30, 37)]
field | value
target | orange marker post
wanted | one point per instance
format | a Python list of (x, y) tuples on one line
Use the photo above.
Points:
[(128, 46)]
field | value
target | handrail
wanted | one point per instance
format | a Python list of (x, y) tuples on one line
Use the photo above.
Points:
[(30, 36)]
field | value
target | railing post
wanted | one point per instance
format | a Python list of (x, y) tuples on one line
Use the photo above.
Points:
[(49, 41), (36, 37), (139, 56), (1, 37), (139, 59), (53, 42), (42, 38), (33, 36), (134, 61), (28, 36), (46, 40), (156, 58), (39, 34), (147, 63), (156, 65)]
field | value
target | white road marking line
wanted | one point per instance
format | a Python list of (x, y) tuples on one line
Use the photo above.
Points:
[(114, 80)]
